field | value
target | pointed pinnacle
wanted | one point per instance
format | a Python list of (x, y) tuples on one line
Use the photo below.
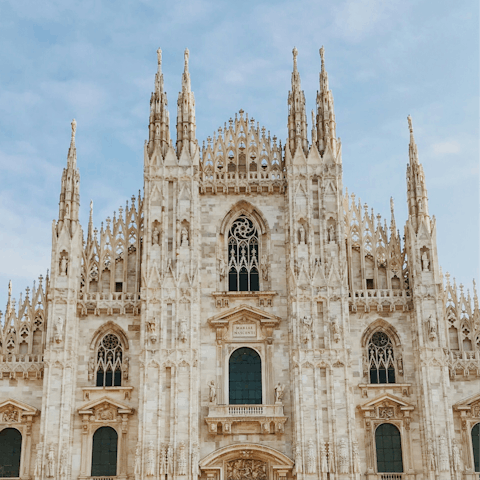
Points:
[(295, 54), (159, 59), (322, 56), (186, 55)]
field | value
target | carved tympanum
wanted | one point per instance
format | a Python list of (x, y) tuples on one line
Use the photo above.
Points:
[(246, 470)]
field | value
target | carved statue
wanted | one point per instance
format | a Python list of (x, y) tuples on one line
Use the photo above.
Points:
[(184, 242), (432, 327), (331, 233), (37, 472), (182, 335), (10, 415), (298, 457), (356, 457), (456, 457), (213, 392), (343, 460), (430, 455), (264, 268), (307, 328), (195, 460), (311, 457), (301, 233), (246, 469), (336, 330), (125, 365), (163, 459), (159, 56), (138, 462), (58, 329), (400, 363), (64, 461), (63, 265), (50, 463), (443, 461), (150, 470), (182, 459), (91, 368), (222, 268), (170, 458), (425, 262), (279, 391), (323, 457), (156, 236)]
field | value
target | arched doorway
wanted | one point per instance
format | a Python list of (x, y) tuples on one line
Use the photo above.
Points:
[(476, 446), (10, 451), (104, 452), (388, 445), (245, 377)]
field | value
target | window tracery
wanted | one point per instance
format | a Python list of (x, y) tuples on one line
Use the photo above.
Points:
[(381, 359), (243, 254), (108, 371)]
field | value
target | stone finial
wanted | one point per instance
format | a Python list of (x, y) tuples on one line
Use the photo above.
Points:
[(74, 129), (410, 126), (322, 55), (186, 55), (295, 54), (159, 56), (392, 205)]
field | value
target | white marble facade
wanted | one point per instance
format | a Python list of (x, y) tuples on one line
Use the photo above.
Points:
[(334, 297)]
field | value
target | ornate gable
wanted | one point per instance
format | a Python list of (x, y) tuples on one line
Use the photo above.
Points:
[(105, 409), (14, 411)]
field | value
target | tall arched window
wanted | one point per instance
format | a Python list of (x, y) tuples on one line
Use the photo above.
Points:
[(243, 256), (104, 452), (476, 446), (109, 361), (10, 450), (388, 445), (381, 359), (245, 377)]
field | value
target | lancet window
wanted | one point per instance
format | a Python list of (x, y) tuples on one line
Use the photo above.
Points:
[(381, 359), (243, 254), (109, 361), (388, 446), (104, 452)]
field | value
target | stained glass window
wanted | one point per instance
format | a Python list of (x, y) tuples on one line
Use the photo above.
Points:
[(245, 377), (381, 359), (104, 452), (388, 444), (109, 361), (243, 256)]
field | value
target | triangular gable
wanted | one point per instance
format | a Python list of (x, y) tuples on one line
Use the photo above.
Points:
[(170, 157), (237, 313), (90, 406), (313, 157), (185, 159), (299, 158), (24, 408), (370, 405), (467, 403)]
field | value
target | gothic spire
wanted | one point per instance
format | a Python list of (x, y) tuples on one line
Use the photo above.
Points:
[(326, 126), (159, 128), (90, 225), (416, 187), (186, 112), (70, 189), (297, 116)]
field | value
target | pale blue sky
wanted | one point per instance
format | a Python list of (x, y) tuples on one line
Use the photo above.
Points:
[(96, 61)]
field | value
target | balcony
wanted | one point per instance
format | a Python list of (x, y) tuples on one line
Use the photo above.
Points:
[(379, 299), (228, 419), (22, 365), (391, 476), (110, 303)]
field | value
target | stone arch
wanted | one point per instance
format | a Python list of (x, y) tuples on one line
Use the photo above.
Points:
[(277, 460), (381, 325), (245, 208), (109, 327)]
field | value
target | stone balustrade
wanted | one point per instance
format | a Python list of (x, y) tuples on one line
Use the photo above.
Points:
[(379, 299), (108, 302)]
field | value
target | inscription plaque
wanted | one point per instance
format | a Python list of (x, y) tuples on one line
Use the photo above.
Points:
[(245, 330)]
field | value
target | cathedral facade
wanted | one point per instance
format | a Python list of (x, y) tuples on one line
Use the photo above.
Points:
[(244, 319)]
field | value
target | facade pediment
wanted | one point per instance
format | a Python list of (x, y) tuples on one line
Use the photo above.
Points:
[(386, 400), (105, 404), (244, 312), (470, 404), (12, 410)]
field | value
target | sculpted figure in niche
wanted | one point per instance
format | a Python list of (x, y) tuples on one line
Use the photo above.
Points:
[(195, 459), (138, 459), (50, 467), (64, 461), (432, 327), (170, 458), (457, 459), (425, 262), (183, 330), (63, 265), (58, 329), (150, 460), (264, 268), (301, 233), (222, 268), (213, 392), (184, 242), (335, 329), (323, 457), (37, 472), (430, 455), (156, 236), (307, 328), (356, 457), (279, 391), (125, 365), (331, 233), (443, 460), (311, 457)]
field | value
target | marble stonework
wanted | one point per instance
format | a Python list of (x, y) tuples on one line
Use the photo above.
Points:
[(148, 294)]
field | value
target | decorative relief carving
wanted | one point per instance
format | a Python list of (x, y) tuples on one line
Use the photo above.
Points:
[(182, 459), (170, 461), (138, 462), (150, 470), (443, 463), (163, 459), (456, 456), (323, 457), (311, 457), (37, 471), (246, 470), (297, 454), (10, 415), (356, 457), (430, 455), (195, 460), (50, 462), (64, 461), (105, 413), (386, 412), (343, 460)]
